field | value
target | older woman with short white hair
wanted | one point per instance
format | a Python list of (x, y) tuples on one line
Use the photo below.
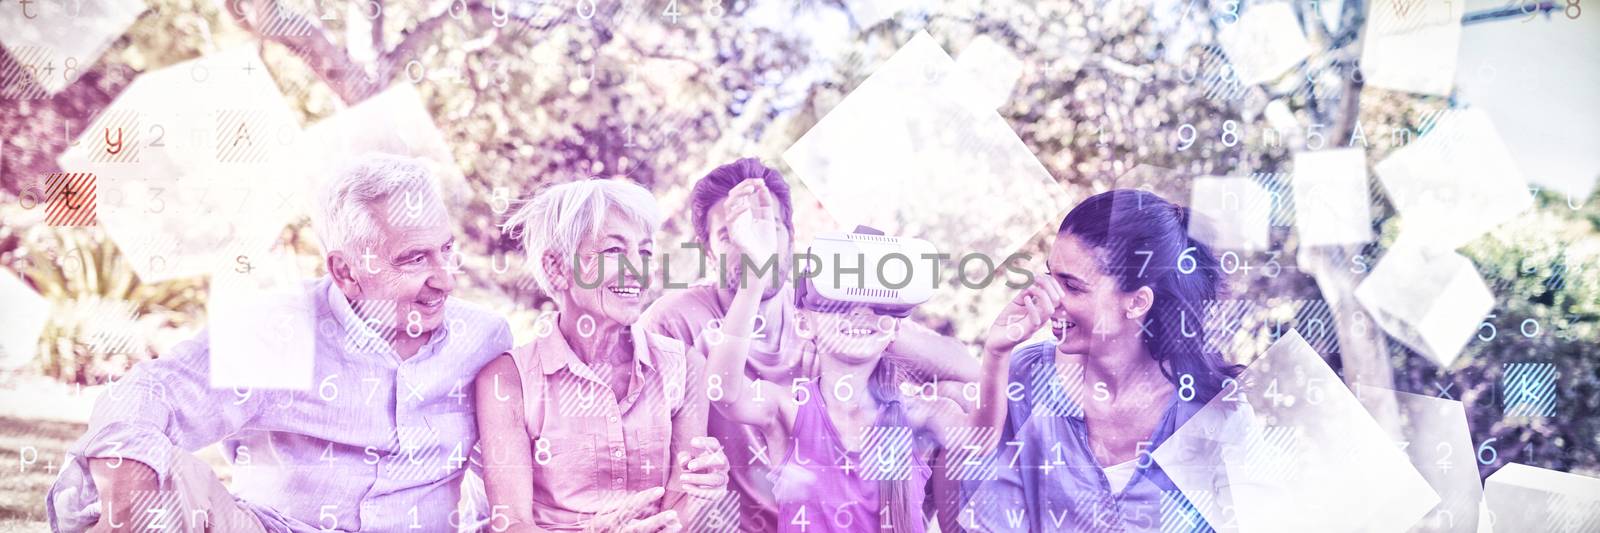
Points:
[(591, 425)]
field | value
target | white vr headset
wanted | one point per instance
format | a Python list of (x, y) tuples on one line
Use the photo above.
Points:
[(867, 267)]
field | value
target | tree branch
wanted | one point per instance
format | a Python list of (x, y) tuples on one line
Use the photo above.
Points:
[(377, 29), (1350, 102), (330, 62), (36, 131), (1364, 354), (406, 48), (40, 130), (699, 69)]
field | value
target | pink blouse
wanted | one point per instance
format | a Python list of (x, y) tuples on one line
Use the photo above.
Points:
[(588, 448)]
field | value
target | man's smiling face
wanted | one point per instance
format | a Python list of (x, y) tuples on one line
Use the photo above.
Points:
[(410, 265)]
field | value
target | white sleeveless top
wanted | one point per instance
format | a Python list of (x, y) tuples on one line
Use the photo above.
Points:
[(1120, 474)]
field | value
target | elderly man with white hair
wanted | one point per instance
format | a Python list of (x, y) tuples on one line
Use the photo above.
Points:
[(378, 440), (596, 425)]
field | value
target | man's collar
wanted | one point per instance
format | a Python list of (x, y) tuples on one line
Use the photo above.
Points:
[(353, 323)]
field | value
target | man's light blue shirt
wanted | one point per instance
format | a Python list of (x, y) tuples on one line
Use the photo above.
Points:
[(375, 443)]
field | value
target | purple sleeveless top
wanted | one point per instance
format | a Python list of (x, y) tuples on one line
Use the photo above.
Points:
[(820, 488)]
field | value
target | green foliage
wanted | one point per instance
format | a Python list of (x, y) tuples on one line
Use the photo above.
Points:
[(85, 279), (1544, 269)]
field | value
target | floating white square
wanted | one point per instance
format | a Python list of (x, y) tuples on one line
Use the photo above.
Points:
[(1330, 197), (1230, 213), (1289, 448), (1433, 302)]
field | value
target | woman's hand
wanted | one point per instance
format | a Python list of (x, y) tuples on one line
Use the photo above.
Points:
[(1026, 313), (635, 514), (705, 475)]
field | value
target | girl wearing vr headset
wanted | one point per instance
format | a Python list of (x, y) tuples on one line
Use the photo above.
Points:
[(848, 448)]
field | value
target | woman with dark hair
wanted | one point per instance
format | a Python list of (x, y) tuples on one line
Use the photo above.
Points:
[(1126, 293)]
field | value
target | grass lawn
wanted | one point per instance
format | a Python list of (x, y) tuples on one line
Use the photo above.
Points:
[(23, 487)]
